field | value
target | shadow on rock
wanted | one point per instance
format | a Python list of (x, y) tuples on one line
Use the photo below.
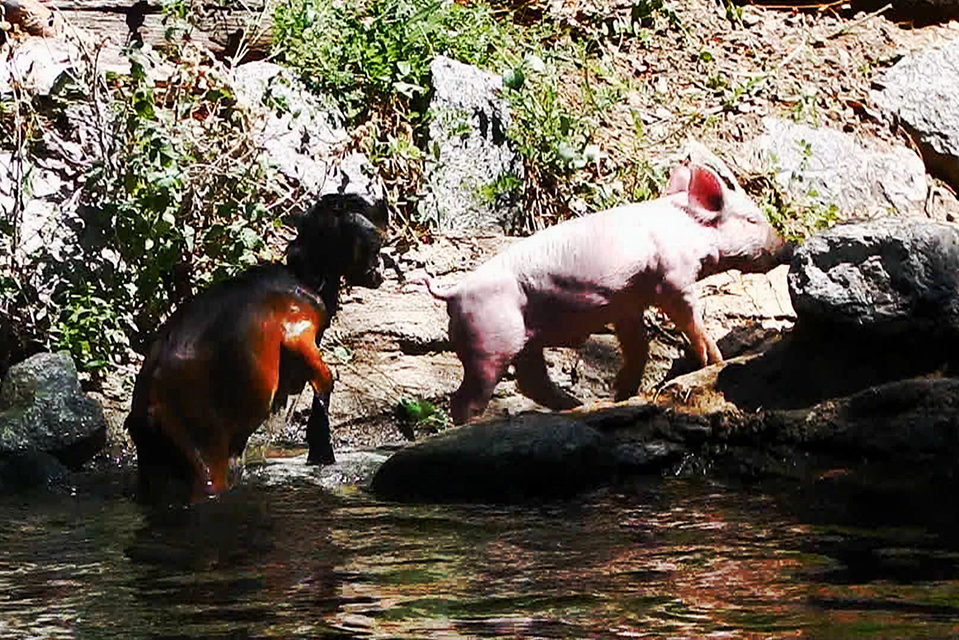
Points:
[(811, 365)]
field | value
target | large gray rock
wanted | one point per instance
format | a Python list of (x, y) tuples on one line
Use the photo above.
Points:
[(888, 274), (828, 167), (42, 408), (36, 65), (303, 136), (922, 90), (530, 456), (42, 190), (473, 177)]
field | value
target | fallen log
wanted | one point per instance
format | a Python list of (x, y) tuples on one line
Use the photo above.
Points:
[(31, 16), (242, 31)]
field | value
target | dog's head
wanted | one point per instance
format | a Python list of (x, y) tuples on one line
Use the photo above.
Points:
[(335, 239)]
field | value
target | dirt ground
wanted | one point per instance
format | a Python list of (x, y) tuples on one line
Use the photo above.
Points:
[(714, 78)]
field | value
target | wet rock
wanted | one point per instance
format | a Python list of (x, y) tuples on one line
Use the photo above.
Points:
[(528, 457), (42, 408), (29, 470), (353, 468), (301, 135), (905, 420), (473, 177), (647, 456), (922, 91), (889, 275), (828, 168)]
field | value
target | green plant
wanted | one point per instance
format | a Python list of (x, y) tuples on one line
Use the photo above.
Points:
[(505, 186), (805, 108), (420, 413), (635, 182), (547, 131), (642, 12), (372, 58), (734, 12), (794, 219), (367, 54), (732, 95), (177, 200), (89, 327)]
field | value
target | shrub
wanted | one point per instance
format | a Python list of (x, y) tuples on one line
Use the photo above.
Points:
[(179, 200)]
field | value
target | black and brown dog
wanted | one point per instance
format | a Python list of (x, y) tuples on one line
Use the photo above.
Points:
[(233, 353)]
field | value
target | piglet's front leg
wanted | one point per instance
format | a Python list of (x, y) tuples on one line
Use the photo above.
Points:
[(684, 311)]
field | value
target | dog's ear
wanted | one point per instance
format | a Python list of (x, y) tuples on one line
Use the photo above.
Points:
[(363, 242)]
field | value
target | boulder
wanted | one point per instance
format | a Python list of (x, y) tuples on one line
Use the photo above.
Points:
[(922, 91), (534, 455), (36, 65), (301, 135), (889, 275), (826, 167), (42, 408), (905, 420), (473, 177)]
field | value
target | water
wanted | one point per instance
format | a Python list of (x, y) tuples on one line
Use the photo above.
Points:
[(655, 558)]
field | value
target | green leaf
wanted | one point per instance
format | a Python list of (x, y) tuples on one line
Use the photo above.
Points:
[(514, 79), (408, 89)]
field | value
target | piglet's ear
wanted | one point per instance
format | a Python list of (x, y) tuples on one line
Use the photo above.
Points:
[(678, 180), (705, 195)]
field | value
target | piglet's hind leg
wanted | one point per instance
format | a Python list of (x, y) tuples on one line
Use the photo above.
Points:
[(534, 383), (634, 344)]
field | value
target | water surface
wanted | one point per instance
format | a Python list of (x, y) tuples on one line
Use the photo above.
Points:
[(653, 558)]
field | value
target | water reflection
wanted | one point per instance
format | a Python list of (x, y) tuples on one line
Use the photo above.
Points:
[(676, 558)]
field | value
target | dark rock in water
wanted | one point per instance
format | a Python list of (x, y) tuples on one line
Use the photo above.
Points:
[(30, 469), (42, 408), (887, 276), (531, 456), (648, 456), (907, 420)]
